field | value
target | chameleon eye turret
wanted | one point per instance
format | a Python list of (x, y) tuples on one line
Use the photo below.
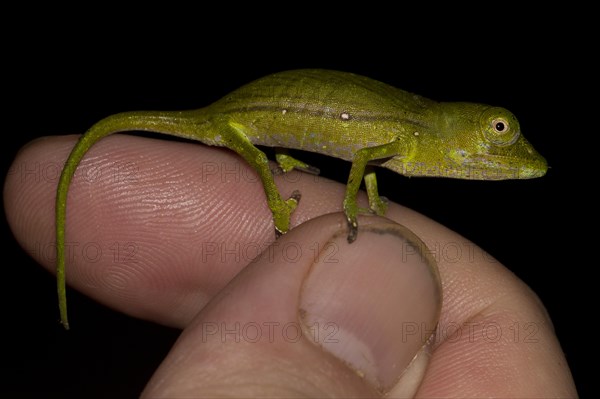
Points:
[(499, 126)]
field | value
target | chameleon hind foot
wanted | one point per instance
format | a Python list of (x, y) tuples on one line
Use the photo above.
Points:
[(283, 211)]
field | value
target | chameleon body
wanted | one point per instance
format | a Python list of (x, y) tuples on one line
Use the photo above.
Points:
[(337, 114)]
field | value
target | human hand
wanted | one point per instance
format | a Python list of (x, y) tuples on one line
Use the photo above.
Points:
[(196, 219)]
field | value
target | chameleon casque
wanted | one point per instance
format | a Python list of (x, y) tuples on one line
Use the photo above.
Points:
[(338, 114)]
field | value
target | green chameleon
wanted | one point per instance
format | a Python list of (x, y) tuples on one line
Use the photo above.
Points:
[(340, 115)]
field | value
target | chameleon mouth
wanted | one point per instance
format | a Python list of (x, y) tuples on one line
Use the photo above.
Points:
[(533, 172), (499, 167), (489, 167)]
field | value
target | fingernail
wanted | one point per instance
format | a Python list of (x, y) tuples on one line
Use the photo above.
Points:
[(375, 303)]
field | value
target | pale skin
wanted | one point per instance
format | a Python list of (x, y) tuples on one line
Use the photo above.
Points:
[(174, 290)]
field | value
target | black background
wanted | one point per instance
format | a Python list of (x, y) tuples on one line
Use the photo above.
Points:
[(60, 83)]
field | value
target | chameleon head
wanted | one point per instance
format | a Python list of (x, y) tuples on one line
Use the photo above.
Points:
[(474, 141)]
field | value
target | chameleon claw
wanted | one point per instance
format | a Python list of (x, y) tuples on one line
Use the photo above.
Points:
[(296, 196), (278, 171), (352, 231)]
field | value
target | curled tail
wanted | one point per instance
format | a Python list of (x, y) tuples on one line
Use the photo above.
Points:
[(182, 124)]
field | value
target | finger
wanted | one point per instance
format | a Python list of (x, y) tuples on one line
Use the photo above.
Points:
[(154, 228), (170, 287), (314, 317), (495, 339)]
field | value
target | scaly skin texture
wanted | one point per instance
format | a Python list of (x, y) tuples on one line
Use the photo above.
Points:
[(337, 114)]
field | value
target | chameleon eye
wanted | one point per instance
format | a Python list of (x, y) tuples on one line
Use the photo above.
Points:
[(499, 126)]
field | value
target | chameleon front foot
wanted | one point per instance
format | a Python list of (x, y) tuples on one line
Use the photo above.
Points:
[(282, 212), (352, 230), (377, 208), (351, 211), (378, 205), (279, 170), (287, 163)]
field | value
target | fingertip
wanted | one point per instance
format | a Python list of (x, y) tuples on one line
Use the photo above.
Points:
[(383, 295)]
